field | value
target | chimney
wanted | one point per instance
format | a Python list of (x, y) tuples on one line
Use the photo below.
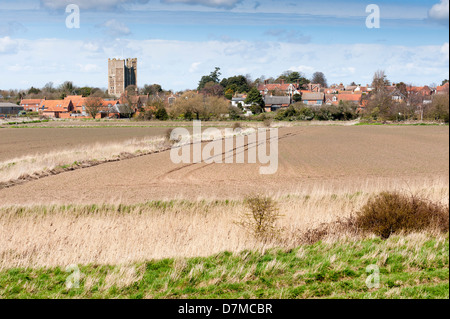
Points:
[(282, 81)]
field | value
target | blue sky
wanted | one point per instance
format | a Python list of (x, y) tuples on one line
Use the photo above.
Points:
[(178, 41)]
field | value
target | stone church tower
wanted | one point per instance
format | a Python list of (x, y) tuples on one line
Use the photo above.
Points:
[(121, 73)]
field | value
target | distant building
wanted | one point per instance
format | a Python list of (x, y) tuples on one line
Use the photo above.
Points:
[(121, 73), (274, 103), (289, 89), (443, 89), (55, 108), (10, 108), (31, 104), (313, 98)]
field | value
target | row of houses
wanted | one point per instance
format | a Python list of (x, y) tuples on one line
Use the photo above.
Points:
[(76, 106), (72, 106), (276, 96), (282, 94)]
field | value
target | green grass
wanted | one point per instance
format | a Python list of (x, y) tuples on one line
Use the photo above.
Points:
[(27, 122), (400, 124), (410, 267)]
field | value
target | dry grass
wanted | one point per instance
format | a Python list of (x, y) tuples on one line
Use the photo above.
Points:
[(20, 167), (27, 167), (115, 234)]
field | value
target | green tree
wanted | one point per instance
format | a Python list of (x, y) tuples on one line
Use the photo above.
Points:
[(212, 77), (33, 90), (84, 91), (161, 114), (297, 98), (238, 84), (256, 100), (152, 89)]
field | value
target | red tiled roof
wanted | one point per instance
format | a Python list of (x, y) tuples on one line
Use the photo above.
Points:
[(349, 97), (105, 103), (443, 88), (55, 105), (30, 101), (77, 100), (276, 86), (424, 90)]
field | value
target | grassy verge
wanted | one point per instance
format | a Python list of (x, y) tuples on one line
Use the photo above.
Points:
[(412, 266), (400, 124)]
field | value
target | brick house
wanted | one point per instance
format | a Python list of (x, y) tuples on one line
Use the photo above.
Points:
[(31, 104), (55, 108), (313, 99)]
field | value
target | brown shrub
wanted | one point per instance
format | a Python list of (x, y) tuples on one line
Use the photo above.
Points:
[(267, 122), (335, 229), (389, 213), (236, 125), (168, 137), (260, 221)]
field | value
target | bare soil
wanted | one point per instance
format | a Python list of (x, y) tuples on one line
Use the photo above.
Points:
[(15, 142), (338, 158)]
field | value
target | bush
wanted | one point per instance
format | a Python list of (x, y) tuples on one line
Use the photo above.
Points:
[(161, 114), (295, 112), (260, 221), (168, 137), (439, 109), (237, 125), (267, 122), (235, 113), (389, 213)]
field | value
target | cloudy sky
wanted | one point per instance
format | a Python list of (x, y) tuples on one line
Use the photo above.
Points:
[(178, 41)]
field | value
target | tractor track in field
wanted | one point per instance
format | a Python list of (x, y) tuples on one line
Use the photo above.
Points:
[(235, 151), (92, 163)]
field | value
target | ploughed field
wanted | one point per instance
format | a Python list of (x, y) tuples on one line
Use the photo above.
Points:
[(336, 159), (15, 142)]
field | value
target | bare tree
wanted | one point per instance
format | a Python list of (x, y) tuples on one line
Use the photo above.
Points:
[(319, 78), (380, 81), (93, 106)]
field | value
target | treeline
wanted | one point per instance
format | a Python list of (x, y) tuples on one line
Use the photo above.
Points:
[(50, 92), (242, 84)]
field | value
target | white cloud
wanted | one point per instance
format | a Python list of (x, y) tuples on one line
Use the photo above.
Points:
[(445, 51), (92, 47), (115, 28), (226, 4), (292, 36), (116, 4), (440, 11), (11, 28), (8, 45), (303, 69), (170, 63), (89, 4), (89, 68), (194, 67)]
